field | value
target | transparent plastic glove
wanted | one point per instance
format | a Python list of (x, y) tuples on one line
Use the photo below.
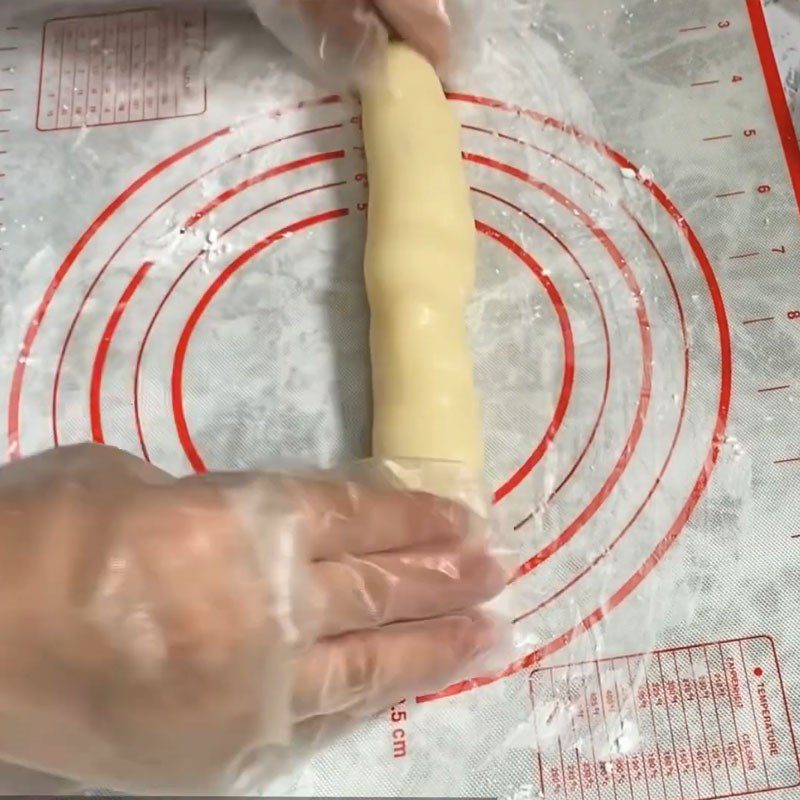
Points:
[(180, 635), (343, 40)]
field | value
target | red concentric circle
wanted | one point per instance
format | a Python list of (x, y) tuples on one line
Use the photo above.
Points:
[(716, 439), (139, 286), (192, 453)]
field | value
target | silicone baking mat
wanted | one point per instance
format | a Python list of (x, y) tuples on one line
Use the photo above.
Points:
[(183, 226)]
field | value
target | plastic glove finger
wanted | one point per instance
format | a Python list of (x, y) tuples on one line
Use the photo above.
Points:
[(372, 591), (340, 40), (424, 24), (360, 673), (358, 520), (344, 22)]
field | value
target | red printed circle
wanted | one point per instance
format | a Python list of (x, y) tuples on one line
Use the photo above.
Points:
[(568, 377), (717, 438), (480, 161)]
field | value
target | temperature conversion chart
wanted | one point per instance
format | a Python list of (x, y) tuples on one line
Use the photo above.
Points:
[(713, 721), (182, 229), (125, 67)]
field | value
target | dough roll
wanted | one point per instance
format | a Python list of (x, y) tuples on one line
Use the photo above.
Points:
[(420, 269)]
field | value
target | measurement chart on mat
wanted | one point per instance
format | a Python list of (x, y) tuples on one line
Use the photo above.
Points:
[(123, 67), (707, 721)]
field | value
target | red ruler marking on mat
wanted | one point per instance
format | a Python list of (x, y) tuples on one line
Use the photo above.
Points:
[(131, 66), (706, 721)]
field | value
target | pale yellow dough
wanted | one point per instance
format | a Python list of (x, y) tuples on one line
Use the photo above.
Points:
[(420, 269)]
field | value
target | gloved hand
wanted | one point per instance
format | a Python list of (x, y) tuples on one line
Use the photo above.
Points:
[(160, 634), (343, 40)]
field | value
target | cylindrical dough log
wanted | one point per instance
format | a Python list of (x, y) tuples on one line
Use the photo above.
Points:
[(420, 269)]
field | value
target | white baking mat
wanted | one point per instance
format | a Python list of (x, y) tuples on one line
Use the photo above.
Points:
[(183, 224)]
